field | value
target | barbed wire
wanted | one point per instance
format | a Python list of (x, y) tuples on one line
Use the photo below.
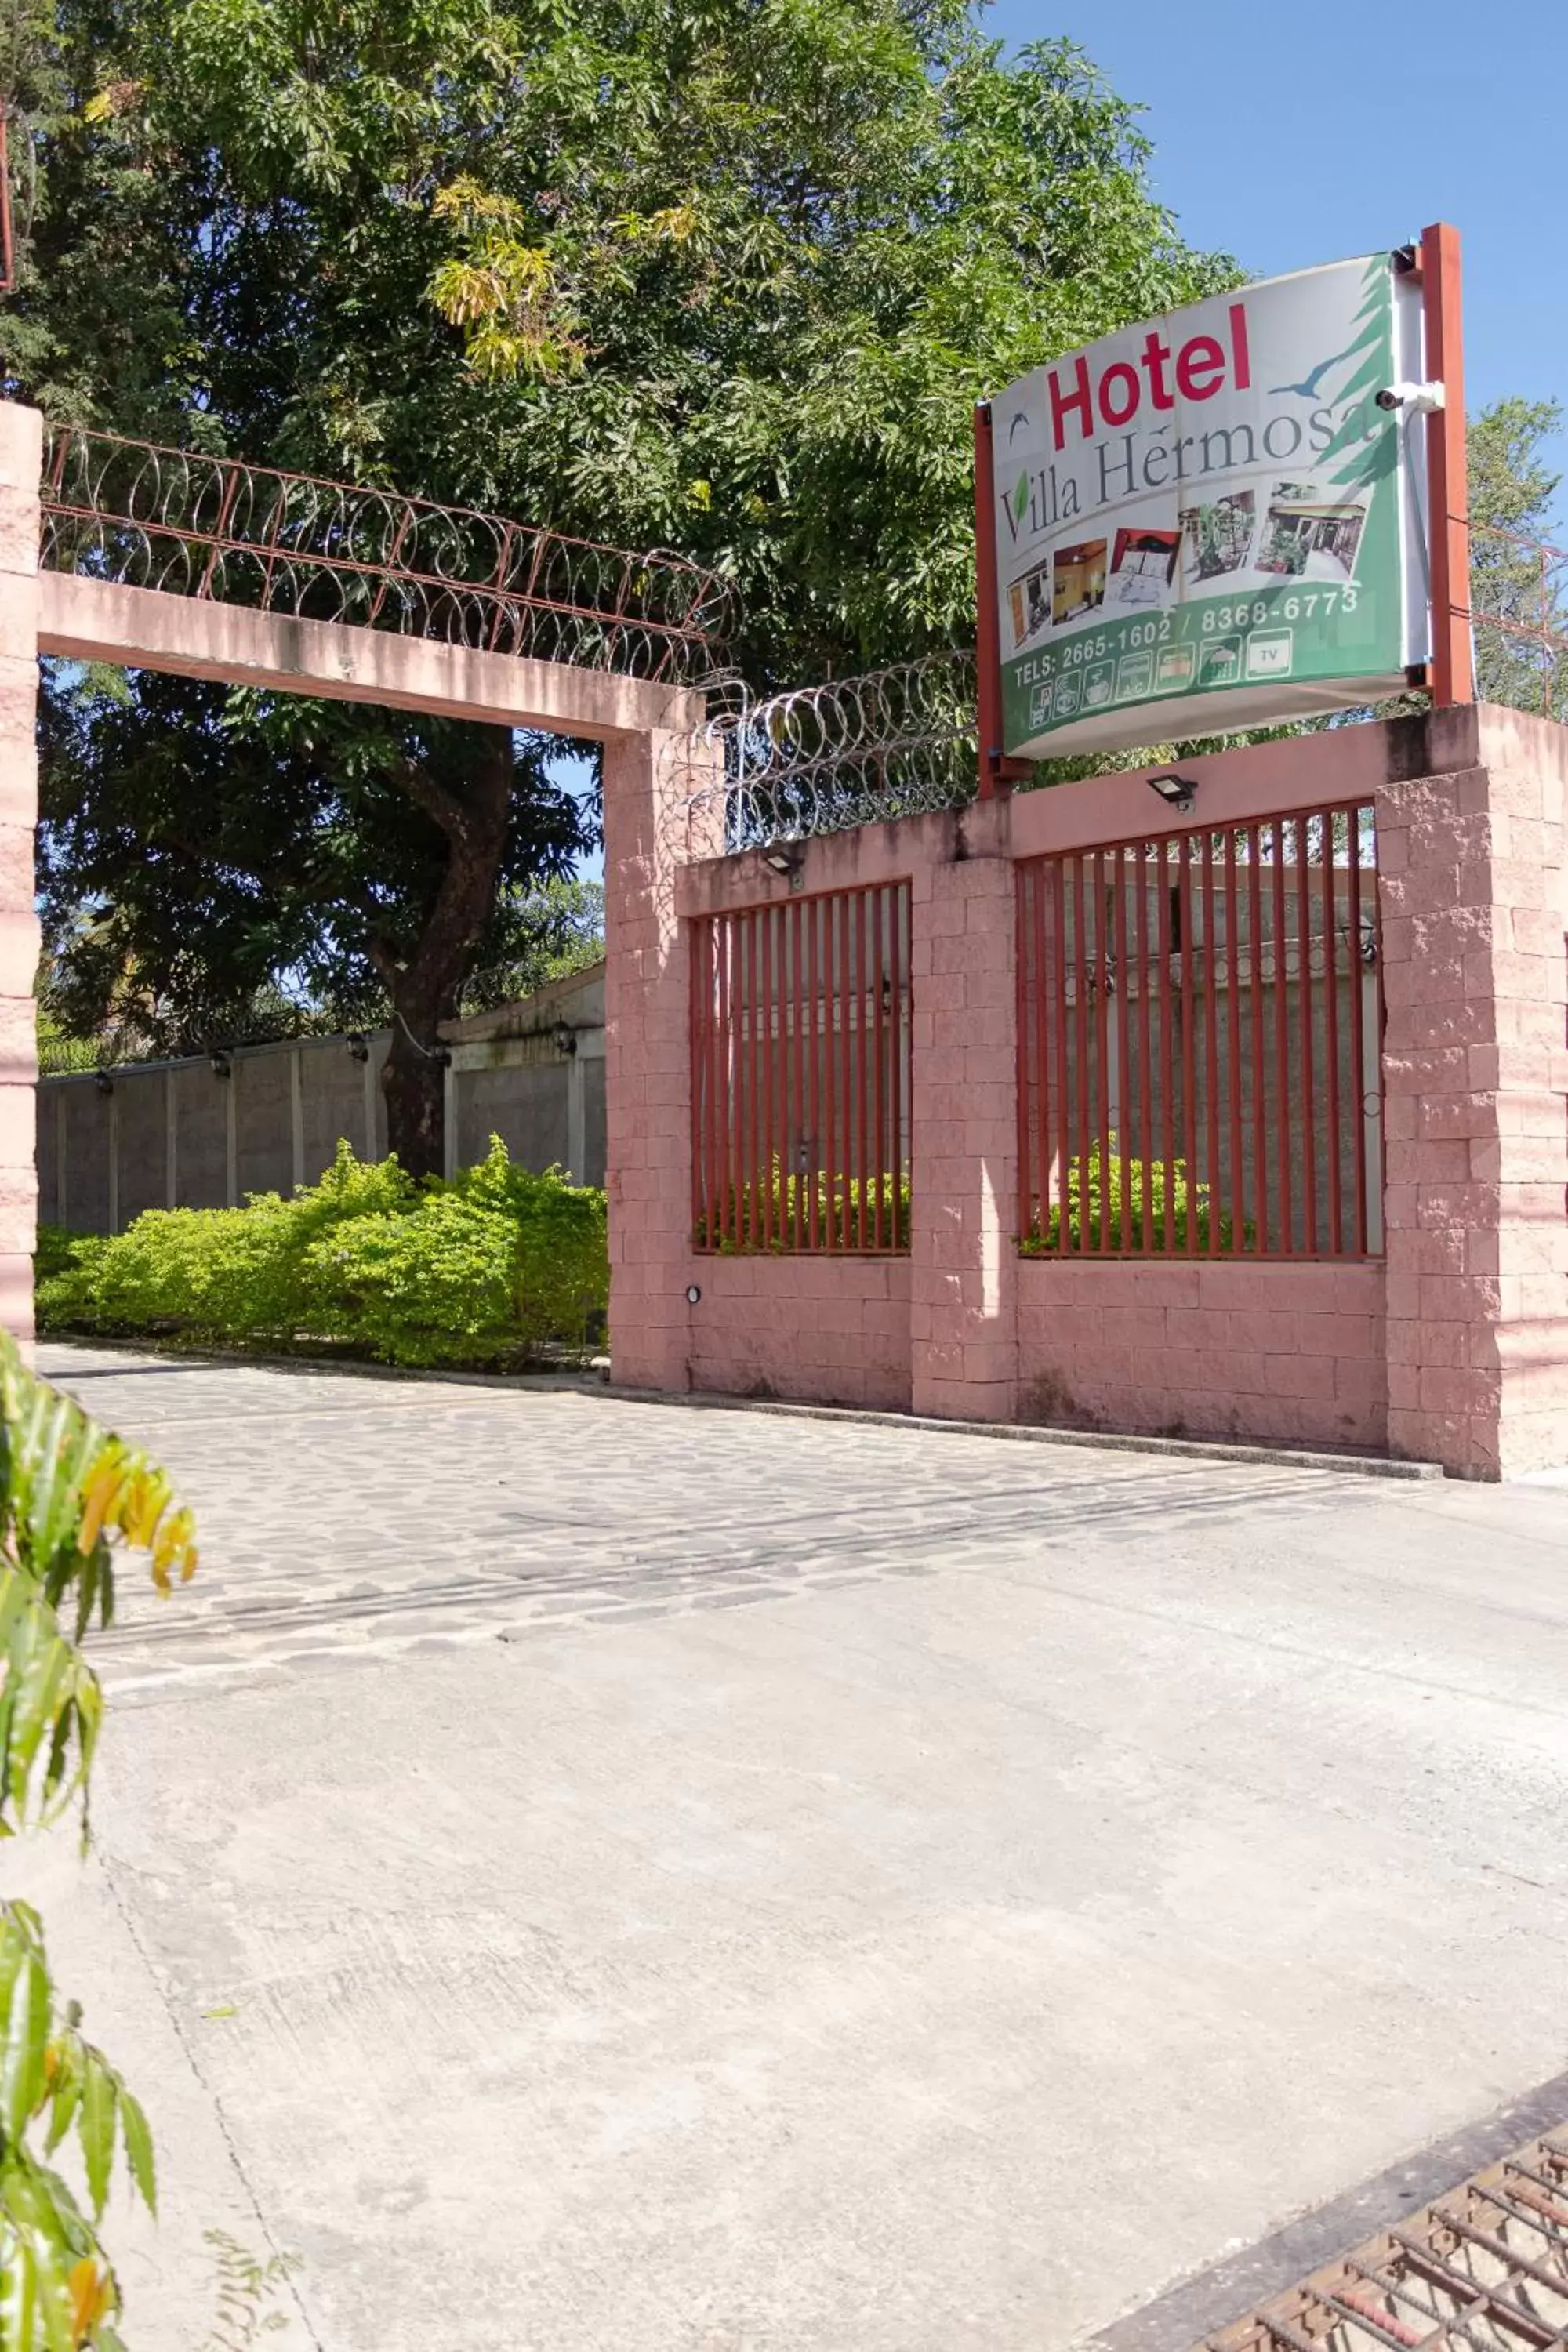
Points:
[(819, 759), (227, 531)]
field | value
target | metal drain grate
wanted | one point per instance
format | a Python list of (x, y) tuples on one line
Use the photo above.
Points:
[(1484, 2268)]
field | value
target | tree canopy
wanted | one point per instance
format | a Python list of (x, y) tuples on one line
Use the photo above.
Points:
[(725, 275)]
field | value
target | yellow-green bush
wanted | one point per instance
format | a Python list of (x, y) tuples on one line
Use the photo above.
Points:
[(1113, 1196), (490, 1268)]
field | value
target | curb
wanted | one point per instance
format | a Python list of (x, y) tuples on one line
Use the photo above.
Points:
[(600, 1383), (1193, 1449)]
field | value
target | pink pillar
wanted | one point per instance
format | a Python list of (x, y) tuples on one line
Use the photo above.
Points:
[(647, 1070), (964, 1179), (1474, 908), (21, 459)]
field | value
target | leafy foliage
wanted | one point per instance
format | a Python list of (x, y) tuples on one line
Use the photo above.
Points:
[(1109, 1207), (1512, 491), (488, 1269), (763, 1217), (71, 1496), (723, 276)]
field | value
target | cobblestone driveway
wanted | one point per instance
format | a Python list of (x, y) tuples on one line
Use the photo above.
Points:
[(345, 1516)]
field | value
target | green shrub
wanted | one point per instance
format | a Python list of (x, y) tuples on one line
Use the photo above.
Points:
[(490, 1268), (845, 1209), (1090, 1198)]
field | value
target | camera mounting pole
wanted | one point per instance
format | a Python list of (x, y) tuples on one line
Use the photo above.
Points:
[(1447, 482)]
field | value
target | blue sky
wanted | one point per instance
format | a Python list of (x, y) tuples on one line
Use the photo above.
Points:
[(1288, 136)]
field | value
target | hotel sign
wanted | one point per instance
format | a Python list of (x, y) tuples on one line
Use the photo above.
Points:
[(1208, 522)]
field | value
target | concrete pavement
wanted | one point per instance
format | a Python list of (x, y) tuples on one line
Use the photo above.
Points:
[(580, 1874)]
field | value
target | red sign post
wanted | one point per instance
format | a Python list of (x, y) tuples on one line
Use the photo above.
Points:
[(1448, 501)]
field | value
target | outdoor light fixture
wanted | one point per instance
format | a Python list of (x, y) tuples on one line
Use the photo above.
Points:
[(359, 1046), (564, 1037), (1176, 792), (693, 1296), (222, 1066), (104, 1083), (785, 857)]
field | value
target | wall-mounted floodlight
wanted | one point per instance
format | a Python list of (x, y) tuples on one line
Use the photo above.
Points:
[(564, 1037), (222, 1066), (785, 857), (1176, 792), (359, 1046)]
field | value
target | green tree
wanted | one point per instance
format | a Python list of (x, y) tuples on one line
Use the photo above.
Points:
[(225, 842), (719, 275), (552, 930), (1513, 575)]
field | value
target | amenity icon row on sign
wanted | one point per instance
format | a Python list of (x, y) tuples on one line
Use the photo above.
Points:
[(1163, 670)]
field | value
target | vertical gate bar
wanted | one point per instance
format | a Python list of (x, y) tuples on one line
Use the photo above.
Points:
[(846, 1093), (879, 1061), (794, 1118), (856, 914), (1189, 1041), (782, 1048), (1308, 1088), (745, 1187), (757, 1066), (762, 1030), (723, 1085), (854, 971), (1255, 1023), (704, 940), (700, 1057), (1145, 1043), (1282, 1049), (1123, 1048), (1260, 1124), (811, 913), (901, 1026), (1058, 1002), (1023, 885), (1046, 1016), (1211, 1040), (829, 1070), (737, 1076), (1332, 1039), (1102, 1041), (1236, 1201), (1167, 1046), (1081, 1035), (723, 934), (1358, 1041), (868, 1014), (800, 1145)]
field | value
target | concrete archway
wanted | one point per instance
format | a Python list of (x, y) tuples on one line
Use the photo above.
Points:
[(85, 616)]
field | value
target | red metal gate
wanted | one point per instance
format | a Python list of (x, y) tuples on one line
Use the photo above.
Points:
[(800, 1074), (1199, 1024)]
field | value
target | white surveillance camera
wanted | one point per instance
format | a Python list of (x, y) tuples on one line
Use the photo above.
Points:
[(1421, 397)]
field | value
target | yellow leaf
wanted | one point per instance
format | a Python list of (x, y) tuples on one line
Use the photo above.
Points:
[(90, 2293)]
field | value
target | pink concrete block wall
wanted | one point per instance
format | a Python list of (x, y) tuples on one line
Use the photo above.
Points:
[(1289, 1354), (819, 1331), (21, 459), (1454, 1349), (964, 1127), (1474, 897)]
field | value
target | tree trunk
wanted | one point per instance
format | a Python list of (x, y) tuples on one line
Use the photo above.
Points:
[(425, 991)]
